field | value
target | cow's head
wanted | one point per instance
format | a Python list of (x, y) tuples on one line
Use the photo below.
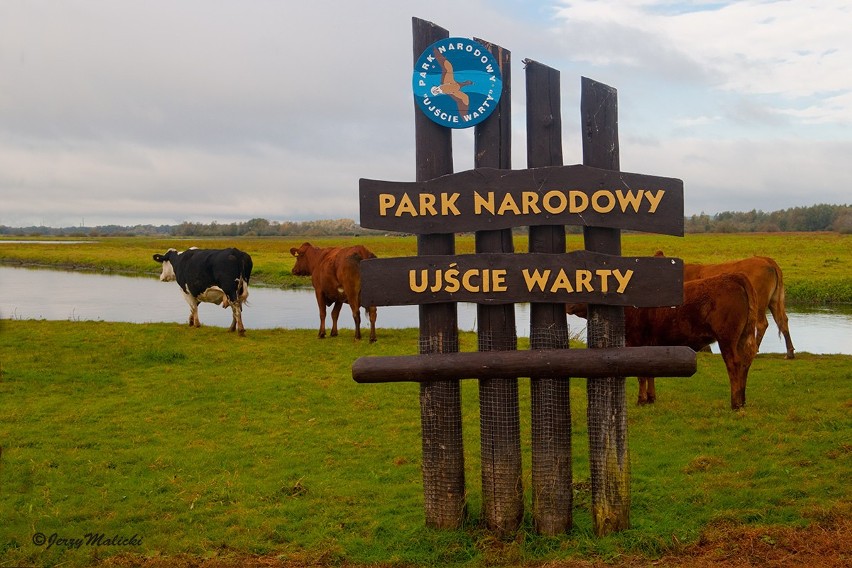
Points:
[(301, 268), (579, 310), (168, 273)]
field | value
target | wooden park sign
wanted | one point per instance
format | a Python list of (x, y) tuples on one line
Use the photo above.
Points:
[(491, 200)]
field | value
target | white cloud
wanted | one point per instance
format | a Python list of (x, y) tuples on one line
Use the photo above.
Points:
[(219, 109)]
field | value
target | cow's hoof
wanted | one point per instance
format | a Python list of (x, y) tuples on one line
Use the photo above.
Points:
[(242, 333), (372, 340), (790, 355)]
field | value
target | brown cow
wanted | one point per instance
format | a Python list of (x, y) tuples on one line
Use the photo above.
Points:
[(717, 309), (336, 275), (768, 282)]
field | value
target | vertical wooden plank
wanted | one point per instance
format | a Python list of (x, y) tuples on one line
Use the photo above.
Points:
[(609, 459), (551, 411), (440, 401), (499, 414)]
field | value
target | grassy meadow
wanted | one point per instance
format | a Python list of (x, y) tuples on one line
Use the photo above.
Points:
[(196, 444), (201, 443), (817, 266)]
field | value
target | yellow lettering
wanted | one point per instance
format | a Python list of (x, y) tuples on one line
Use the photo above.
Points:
[(508, 204), (452, 279), (629, 198), (536, 279), (480, 203), (449, 204), (584, 280), (498, 283), (562, 282), (596, 203), (655, 199), (406, 206), (466, 280), (530, 202), (623, 279), (579, 201), (438, 282), (386, 201), (427, 204), (563, 202), (412, 280), (604, 276)]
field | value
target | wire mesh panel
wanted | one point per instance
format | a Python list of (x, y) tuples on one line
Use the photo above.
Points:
[(551, 440), (609, 459), (500, 433)]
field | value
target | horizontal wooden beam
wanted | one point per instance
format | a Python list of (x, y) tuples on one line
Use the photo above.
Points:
[(551, 363)]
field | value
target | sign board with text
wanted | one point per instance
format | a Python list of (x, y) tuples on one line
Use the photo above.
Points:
[(497, 278), (492, 199)]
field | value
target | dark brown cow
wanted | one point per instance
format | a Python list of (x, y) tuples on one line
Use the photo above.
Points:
[(336, 275), (716, 309)]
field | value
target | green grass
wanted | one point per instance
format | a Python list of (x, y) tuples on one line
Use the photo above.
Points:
[(817, 266), (200, 442)]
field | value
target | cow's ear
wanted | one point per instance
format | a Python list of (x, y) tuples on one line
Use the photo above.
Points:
[(294, 251), (159, 258)]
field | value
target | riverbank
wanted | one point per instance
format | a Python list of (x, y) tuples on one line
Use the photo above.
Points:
[(817, 266)]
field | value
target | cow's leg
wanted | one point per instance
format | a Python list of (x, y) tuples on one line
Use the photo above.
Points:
[(237, 321), (762, 324), (371, 313), (779, 314), (335, 314), (647, 390), (321, 304), (193, 310), (737, 366), (356, 317)]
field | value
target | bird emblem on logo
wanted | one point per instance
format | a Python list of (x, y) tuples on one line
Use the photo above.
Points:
[(449, 86)]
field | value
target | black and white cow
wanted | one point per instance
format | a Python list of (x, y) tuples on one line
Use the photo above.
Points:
[(215, 276)]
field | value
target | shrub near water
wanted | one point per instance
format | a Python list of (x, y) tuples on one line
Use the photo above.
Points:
[(203, 443)]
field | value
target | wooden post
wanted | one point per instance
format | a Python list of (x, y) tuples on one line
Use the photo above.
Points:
[(499, 414), (440, 401), (609, 458), (551, 409)]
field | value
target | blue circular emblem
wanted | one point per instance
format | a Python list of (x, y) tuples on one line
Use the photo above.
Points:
[(457, 82)]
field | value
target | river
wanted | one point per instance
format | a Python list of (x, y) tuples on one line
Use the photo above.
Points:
[(76, 296)]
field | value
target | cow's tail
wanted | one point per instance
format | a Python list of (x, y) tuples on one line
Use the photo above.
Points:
[(246, 266), (748, 340), (778, 299)]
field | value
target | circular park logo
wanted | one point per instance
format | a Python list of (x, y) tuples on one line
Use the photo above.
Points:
[(457, 82)]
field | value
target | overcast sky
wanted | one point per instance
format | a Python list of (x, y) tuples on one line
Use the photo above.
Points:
[(163, 111)]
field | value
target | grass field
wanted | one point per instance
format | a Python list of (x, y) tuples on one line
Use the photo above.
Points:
[(817, 266), (194, 447), (206, 446)]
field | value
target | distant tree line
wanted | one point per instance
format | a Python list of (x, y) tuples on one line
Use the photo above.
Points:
[(837, 218)]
